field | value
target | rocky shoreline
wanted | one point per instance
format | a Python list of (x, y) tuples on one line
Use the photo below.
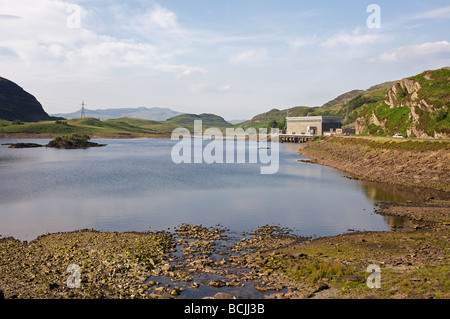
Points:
[(197, 262), (414, 163), (192, 260)]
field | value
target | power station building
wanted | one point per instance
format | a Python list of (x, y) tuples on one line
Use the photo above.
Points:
[(312, 125)]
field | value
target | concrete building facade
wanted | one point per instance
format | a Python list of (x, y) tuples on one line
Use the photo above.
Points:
[(312, 125)]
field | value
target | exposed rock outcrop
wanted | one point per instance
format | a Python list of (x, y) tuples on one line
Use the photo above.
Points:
[(419, 108), (403, 93)]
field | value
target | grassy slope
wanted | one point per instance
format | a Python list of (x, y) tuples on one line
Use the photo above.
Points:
[(342, 99), (413, 265), (123, 127), (436, 91)]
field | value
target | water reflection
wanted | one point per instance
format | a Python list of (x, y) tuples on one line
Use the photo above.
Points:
[(383, 192), (390, 193), (400, 222)]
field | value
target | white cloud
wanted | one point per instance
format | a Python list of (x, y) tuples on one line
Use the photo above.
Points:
[(350, 46), (39, 37), (151, 22), (189, 71), (198, 87), (8, 17), (434, 14), (111, 52), (437, 53), (300, 42), (208, 88), (163, 17), (224, 88), (248, 56), (354, 38)]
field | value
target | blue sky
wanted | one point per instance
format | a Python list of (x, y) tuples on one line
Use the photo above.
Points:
[(232, 58)]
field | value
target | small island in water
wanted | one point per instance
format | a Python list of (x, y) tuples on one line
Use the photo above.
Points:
[(72, 141)]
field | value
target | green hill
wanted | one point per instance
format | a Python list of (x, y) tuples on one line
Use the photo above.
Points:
[(277, 118), (338, 103), (350, 103), (210, 120)]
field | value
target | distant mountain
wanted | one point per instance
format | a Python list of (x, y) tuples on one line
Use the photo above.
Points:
[(18, 105), (154, 114)]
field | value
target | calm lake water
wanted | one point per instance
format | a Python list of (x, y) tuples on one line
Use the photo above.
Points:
[(133, 185)]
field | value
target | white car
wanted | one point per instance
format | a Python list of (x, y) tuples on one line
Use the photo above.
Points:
[(398, 136)]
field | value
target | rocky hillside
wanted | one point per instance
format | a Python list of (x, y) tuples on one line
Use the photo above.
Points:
[(18, 105), (415, 107)]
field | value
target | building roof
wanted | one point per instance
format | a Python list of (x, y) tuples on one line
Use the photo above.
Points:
[(315, 119)]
